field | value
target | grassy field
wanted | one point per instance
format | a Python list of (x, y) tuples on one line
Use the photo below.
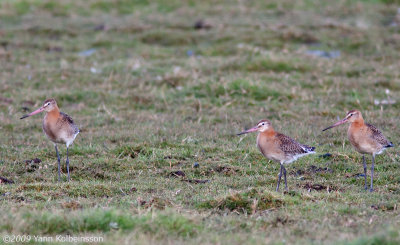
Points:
[(159, 102)]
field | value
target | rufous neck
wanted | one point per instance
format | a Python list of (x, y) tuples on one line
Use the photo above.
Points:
[(54, 112), (268, 132), (358, 121)]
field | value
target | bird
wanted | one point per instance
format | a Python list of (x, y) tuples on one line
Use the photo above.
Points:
[(278, 147), (58, 127), (365, 138)]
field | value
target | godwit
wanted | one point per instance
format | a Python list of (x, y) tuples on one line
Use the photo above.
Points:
[(365, 138), (278, 147), (58, 127)]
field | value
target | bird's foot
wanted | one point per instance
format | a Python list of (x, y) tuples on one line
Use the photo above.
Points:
[(371, 190)]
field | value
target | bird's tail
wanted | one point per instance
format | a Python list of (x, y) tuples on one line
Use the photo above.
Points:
[(308, 148), (390, 145)]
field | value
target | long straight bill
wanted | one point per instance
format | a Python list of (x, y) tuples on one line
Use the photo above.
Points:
[(33, 113), (249, 130), (337, 124)]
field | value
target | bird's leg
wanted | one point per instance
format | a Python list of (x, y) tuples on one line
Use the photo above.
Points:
[(59, 164), (365, 173), (372, 174), (279, 178), (67, 164), (284, 175)]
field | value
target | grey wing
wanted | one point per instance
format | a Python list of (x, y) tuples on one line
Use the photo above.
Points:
[(67, 119), (292, 147), (378, 136)]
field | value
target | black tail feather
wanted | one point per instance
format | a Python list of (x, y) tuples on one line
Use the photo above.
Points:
[(308, 148), (390, 145)]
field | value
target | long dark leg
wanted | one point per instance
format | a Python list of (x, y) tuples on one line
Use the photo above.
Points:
[(67, 164), (59, 164), (365, 173), (372, 174), (279, 179), (284, 175)]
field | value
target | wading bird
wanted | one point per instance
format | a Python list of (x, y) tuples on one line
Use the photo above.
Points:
[(278, 147), (58, 127), (365, 138)]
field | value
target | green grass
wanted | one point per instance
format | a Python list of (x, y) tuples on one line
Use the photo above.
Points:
[(158, 96)]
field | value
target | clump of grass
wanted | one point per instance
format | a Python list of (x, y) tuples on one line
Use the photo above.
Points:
[(157, 203), (131, 150), (22, 7), (77, 96), (390, 237), (265, 64), (56, 8), (100, 220), (298, 36), (247, 202), (241, 87), (168, 38), (96, 190), (38, 187), (238, 88), (121, 6)]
